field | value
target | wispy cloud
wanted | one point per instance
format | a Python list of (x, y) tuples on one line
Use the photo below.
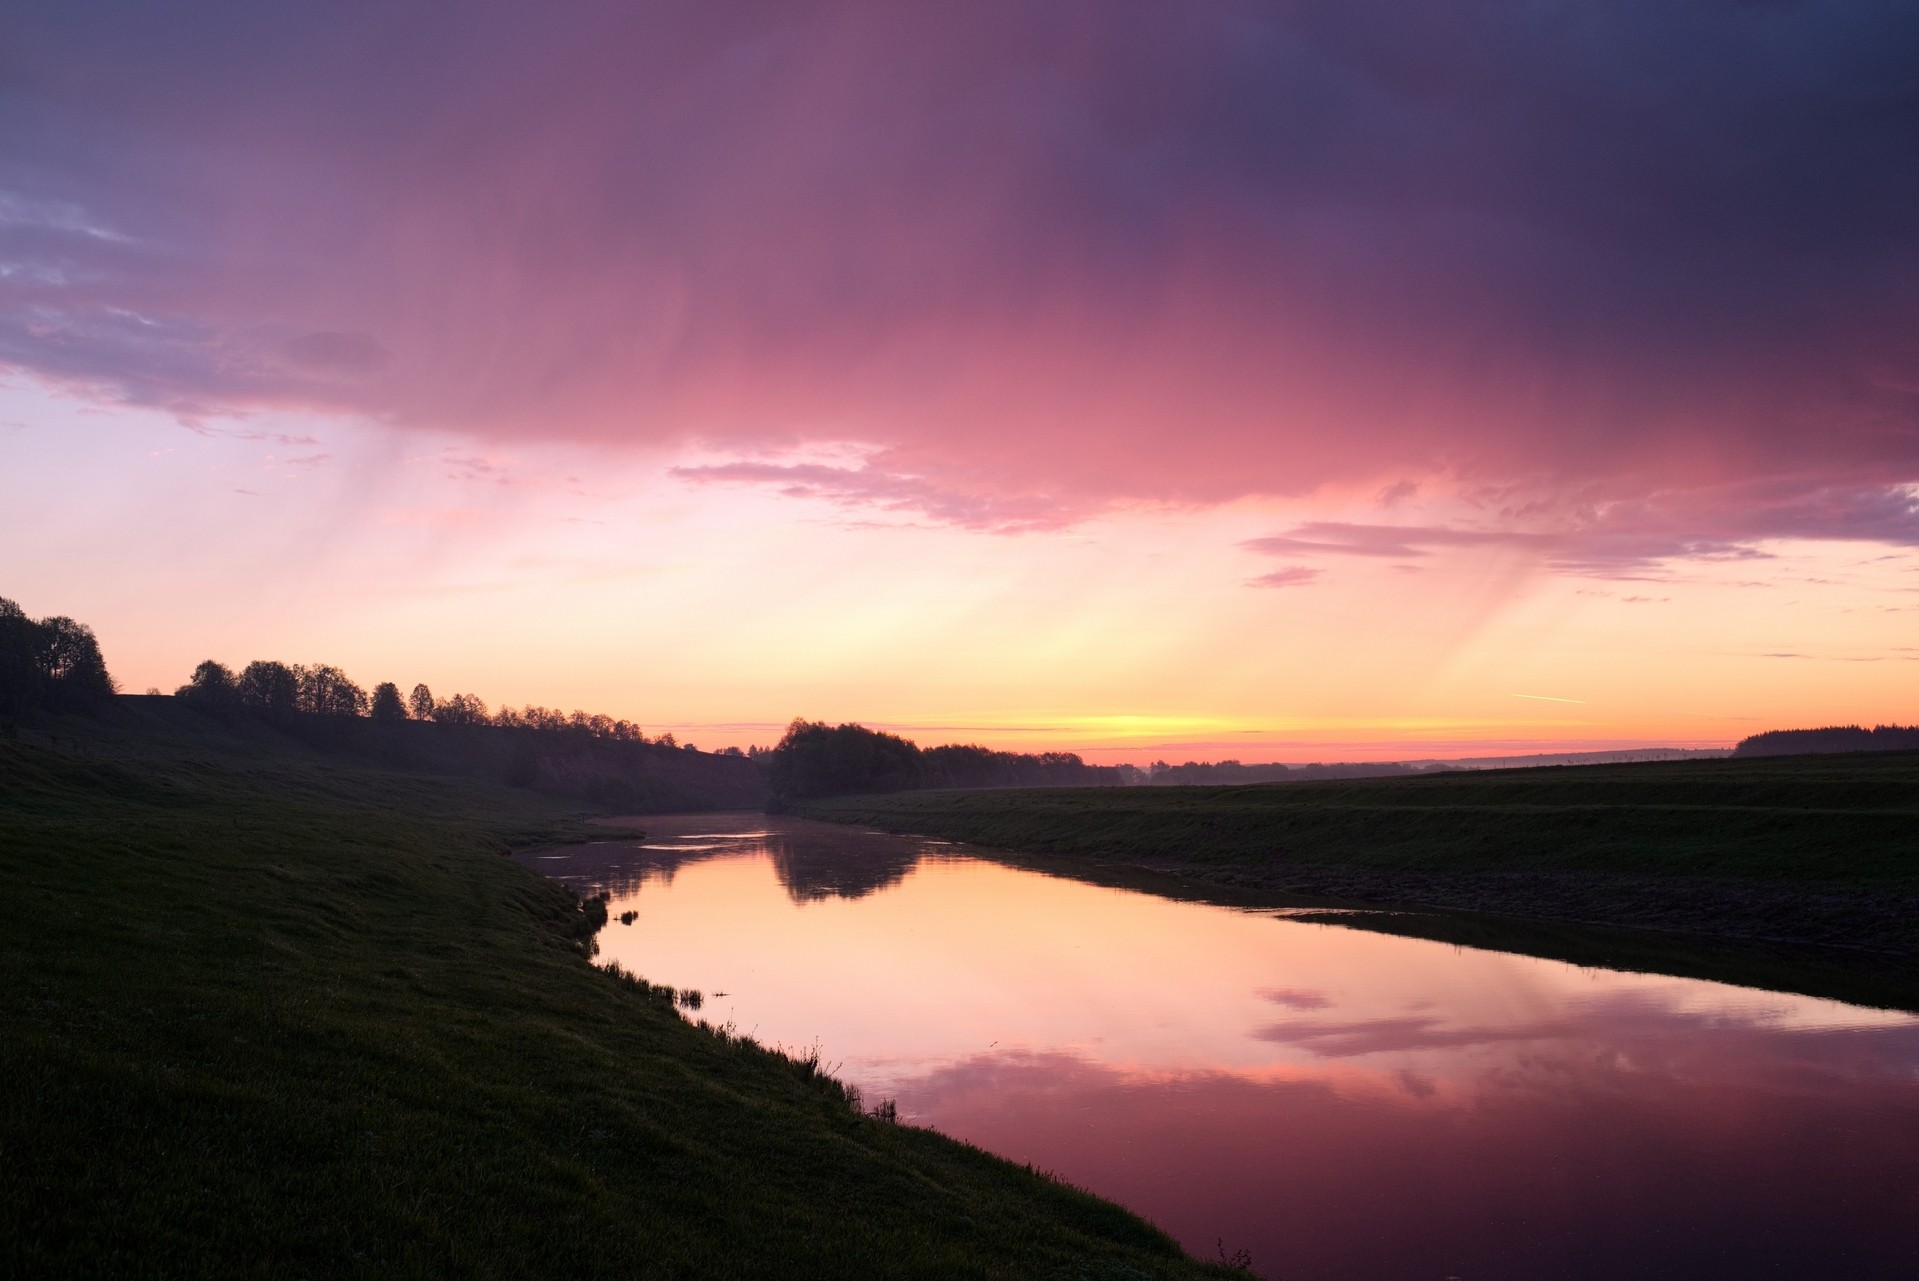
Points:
[(1629, 539), (475, 467), (198, 427), (1399, 542), (1287, 576), (1296, 998), (868, 486)]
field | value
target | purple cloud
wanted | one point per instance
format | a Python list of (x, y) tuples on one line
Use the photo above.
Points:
[(1041, 260), (1335, 1039), (1626, 539), (1296, 998)]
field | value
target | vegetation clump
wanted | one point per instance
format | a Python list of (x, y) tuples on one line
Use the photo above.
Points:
[(815, 759), (280, 689), (52, 663)]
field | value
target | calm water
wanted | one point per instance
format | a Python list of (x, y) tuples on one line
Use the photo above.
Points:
[(1340, 1103)]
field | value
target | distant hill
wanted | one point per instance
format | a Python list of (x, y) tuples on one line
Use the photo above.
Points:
[(1832, 738)]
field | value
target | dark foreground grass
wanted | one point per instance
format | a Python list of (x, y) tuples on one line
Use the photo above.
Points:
[(1819, 849), (263, 1015)]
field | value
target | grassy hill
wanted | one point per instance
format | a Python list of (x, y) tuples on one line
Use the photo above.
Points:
[(263, 1012)]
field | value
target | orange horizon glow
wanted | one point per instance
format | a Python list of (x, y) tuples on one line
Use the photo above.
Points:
[(579, 578), (1296, 382)]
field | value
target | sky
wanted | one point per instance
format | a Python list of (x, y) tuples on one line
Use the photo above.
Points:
[(1279, 381)]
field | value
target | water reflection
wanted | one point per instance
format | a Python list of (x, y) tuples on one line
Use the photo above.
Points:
[(813, 861), (1344, 1104)]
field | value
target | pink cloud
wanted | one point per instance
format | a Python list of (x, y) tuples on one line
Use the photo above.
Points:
[(1040, 262)]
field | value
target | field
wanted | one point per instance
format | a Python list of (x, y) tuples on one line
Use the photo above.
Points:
[(262, 1014), (1819, 853)]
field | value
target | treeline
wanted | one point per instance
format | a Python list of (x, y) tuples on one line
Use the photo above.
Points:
[(1831, 738), (287, 689), (49, 662), (1230, 773), (815, 759)]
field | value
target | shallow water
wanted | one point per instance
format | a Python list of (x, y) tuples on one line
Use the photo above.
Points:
[(1339, 1103)]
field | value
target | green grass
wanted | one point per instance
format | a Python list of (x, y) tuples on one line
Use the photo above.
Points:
[(1848, 819), (263, 1014)]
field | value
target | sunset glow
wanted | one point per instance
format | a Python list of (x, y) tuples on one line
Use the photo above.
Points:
[(1218, 380)]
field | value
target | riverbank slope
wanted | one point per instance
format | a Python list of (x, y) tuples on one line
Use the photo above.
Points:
[(265, 1013)]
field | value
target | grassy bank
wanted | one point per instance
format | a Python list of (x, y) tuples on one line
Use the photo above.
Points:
[(1803, 850), (264, 1014)]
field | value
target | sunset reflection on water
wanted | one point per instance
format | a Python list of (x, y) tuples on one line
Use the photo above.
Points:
[(1343, 1104)]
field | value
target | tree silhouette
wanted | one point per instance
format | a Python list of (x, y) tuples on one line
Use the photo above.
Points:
[(461, 709), (213, 686), (422, 703), (387, 707), (269, 687), (70, 660), (326, 691), (20, 680), (817, 759), (52, 662)]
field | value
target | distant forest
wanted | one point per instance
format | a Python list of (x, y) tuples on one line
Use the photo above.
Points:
[(1833, 738), (273, 688)]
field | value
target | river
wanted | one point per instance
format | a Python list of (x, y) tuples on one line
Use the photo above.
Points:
[(1338, 1103)]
